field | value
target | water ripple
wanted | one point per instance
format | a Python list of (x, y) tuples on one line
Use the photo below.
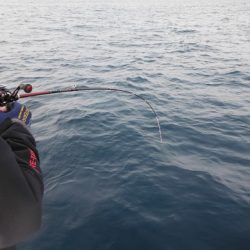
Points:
[(109, 183)]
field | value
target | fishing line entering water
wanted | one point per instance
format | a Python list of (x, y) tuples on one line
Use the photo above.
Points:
[(75, 88)]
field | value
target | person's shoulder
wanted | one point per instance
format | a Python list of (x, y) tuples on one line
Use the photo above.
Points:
[(14, 128), (9, 123)]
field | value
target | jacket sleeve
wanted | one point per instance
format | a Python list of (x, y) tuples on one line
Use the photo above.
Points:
[(21, 186)]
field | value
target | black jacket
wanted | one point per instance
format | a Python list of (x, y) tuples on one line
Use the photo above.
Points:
[(21, 186)]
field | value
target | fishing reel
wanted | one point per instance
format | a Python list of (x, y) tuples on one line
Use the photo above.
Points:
[(7, 97)]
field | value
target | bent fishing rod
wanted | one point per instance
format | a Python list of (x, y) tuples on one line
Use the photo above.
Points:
[(7, 97)]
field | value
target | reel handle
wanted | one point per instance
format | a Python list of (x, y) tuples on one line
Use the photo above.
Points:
[(27, 88), (7, 97)]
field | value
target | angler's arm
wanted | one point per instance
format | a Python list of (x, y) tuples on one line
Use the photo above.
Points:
[(21, 187)]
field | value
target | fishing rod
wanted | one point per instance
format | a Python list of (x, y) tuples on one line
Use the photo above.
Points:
[(7, 97)]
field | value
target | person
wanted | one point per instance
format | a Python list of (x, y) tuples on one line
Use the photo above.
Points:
[(21, 184)]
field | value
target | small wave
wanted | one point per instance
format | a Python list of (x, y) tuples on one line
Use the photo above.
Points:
[(234, 73), (185, 31), (137, 79), (247, 78)]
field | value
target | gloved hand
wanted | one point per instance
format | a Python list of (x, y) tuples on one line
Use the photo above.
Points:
[(16, 111)]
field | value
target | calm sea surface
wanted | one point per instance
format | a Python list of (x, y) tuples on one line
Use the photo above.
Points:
[(109, 183)]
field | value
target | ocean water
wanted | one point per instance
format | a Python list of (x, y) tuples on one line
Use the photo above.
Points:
[(109, 183)]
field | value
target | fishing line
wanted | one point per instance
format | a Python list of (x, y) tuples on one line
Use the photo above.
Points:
[(10, 97)]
